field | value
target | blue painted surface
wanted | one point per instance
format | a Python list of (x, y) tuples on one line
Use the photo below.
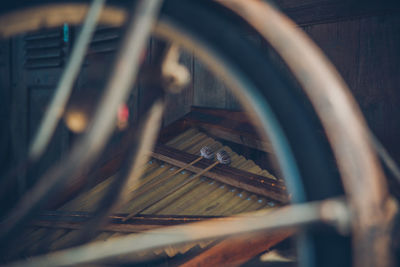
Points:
[(66, 33)]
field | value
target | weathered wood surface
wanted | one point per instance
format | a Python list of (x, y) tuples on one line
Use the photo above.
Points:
[(117, 223), (309, 12), (231, 126), (210, 91), (366, 53)]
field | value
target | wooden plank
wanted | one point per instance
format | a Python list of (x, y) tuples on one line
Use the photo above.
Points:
[(341, 43), (309, 12), (219, 131), (117, 222), (79, 216), (209, 91), (365, 52), (221, 121), (378, 81), (237, 250), (237, 130), (257, 184), (235, 115)]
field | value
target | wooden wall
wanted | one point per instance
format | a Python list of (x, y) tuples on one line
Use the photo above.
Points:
[(366, 51)]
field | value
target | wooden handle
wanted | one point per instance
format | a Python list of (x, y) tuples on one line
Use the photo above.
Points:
[(205, 170), (183, 168)]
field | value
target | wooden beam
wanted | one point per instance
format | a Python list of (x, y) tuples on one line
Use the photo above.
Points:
[(232, 126), (237, 250), (236, 115), (139, 223), (112, 227), (268, 187)]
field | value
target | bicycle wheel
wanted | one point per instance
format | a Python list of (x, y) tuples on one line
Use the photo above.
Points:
[(304, 156)]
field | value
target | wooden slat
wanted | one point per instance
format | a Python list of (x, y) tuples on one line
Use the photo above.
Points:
[(188, 204), (45, 50), (257, 184), (165, 205), (224, 203), (316, 11), (209, 90), (76, 220), (238, 116), (157, 194)]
